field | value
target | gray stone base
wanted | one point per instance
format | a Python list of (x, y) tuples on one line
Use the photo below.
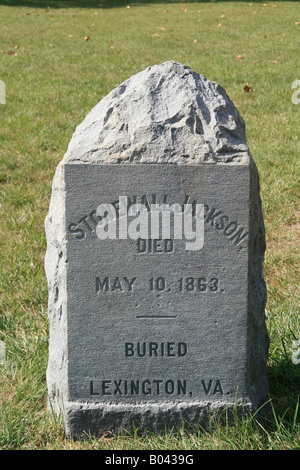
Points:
[(82, 419)]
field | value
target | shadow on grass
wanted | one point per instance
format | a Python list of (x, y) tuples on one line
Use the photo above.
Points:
[(55, 4), (279, 414), (284, 384)]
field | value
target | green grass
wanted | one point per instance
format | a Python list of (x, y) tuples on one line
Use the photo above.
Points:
[(51, 84)]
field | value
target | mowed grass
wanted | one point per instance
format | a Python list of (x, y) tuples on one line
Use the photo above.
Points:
[(57, 64)]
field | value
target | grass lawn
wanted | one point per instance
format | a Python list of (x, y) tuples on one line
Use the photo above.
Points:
[(57, 63)]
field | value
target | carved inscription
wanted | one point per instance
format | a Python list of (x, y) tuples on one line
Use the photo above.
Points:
[(138, 387), (152, 387), (156, 245), (118, 284), (159, 284), (154, 349), (151, 321)]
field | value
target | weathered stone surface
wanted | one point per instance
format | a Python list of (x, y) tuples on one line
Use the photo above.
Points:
[(171, 133), (165, 114)]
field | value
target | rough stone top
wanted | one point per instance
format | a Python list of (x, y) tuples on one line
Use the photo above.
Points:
[(165, 114)]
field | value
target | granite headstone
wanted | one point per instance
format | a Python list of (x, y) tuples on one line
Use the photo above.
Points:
[(145, 326)]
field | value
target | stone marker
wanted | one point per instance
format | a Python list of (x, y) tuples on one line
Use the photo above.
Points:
[(148, 327)]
